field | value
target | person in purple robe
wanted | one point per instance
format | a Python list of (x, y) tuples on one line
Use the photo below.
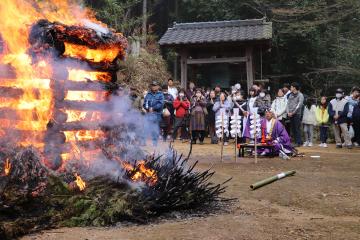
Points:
[(272, 133)]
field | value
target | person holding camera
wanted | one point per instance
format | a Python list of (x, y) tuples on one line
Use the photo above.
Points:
[(181, 105), (197, 118)]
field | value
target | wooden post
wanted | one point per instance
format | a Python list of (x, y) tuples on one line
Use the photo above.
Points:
[(183, 55), (249, 67), (236, 146), (222, 134), (255, 138)]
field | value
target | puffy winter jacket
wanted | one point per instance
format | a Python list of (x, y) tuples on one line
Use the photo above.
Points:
[(339, 107), (322, 115), (181, 107), (309, 116)]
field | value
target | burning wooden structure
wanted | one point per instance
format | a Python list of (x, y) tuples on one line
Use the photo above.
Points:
[(82, 61), (55, 82)]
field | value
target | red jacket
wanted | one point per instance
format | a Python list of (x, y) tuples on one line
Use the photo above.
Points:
[(181, 107)]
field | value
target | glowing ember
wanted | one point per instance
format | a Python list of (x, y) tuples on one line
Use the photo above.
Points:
[(74, 115), (141, 173), (79, 182), (78, 75), (7, 167), (83, 135), (85, 96)]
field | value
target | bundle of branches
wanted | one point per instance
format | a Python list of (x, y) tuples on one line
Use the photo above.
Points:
[(178, 186), (139, 72), (47, 35), (105, 201), (26, 180)]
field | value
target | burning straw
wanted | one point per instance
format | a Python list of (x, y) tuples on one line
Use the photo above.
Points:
[(34, 198)]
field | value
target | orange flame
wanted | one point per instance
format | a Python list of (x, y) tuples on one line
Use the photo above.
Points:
[(78, 75), (95, 55), (74, 115), (7, 167), (34, 103), (79, 182), (33, 79), (141, 173), (85, 96), (83, 135)]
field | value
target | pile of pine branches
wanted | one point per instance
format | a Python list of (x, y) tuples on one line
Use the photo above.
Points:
[(105, 201)]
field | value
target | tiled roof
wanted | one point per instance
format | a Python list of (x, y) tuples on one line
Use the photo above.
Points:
[(216, 32)]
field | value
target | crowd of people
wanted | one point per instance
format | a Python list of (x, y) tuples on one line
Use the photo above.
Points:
[(190, 114)]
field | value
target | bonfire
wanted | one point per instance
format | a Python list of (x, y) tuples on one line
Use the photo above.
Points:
[(68, 155)]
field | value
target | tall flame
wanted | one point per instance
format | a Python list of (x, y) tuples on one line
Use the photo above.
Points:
[(34, 104)]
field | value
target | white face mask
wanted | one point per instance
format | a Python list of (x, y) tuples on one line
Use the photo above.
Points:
[(181, 95), (338, 95), (262, 94)]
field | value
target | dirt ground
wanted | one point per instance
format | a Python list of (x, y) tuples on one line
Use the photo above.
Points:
[(322, 201)]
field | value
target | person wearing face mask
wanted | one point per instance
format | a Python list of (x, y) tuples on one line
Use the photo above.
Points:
[(190, 91), (181, 105), (168, 112), (338, 111), (262, 103), (353, 100), (223, 103), (210, 118), (356, 123), (197, 119)]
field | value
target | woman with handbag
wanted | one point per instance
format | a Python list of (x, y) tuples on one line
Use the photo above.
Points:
[(197, 119), (168, 110), (181, 106)]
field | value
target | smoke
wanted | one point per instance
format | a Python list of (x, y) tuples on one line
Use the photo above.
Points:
[(98, 28), (126, 129)]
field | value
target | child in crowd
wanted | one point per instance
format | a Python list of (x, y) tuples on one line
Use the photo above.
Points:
[(322, 118), (309, 121)]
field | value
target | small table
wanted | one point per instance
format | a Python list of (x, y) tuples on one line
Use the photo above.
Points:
[(259, 146)]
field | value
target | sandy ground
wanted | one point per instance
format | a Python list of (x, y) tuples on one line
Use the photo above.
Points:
[(322, 201)]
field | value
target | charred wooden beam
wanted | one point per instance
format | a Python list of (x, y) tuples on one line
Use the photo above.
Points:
[(45, 37), (23, 135), (7, 71), (80, 125), (88, 86), (83, 105), (10, 92)]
